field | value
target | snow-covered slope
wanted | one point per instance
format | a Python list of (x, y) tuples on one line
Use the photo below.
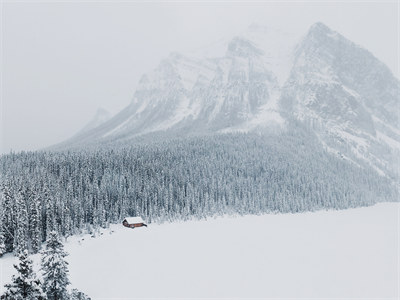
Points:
[(262, 79), (328, 254)]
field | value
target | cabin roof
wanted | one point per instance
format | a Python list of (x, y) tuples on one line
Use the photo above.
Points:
[(134, 220)]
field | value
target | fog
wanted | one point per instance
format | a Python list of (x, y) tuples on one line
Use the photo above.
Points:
[(61, 61)]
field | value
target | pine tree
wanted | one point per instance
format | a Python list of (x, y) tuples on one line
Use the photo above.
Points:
[(77, 295), (8, 214), (24, 285), (20, 237), (3, 248), (35, 226), (55, 268)]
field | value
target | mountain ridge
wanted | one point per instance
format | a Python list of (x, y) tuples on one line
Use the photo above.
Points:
[(265, 79)]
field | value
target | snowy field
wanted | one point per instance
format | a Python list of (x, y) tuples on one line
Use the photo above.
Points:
[(331, 254)]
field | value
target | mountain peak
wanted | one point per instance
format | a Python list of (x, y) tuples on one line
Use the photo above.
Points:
[(319, 31), (319, 27), (321, 38)]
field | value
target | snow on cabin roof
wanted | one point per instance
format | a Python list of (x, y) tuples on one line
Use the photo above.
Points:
[(134, 220)]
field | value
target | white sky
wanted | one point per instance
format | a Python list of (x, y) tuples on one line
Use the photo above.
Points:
[(62, 61)]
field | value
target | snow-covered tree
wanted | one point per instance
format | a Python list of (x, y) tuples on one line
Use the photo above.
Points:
[(7, 213), (3, 248), (55, 268), (77, 295), (35, 226), (20, 234), (24, 285)]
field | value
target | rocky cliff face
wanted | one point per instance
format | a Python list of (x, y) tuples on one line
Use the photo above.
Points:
[(348, 97)]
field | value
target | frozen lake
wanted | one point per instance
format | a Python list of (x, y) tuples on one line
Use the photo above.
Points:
[(328, 254)]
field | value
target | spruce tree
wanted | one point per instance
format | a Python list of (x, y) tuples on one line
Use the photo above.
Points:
[(77, 295), (3, 248), (55, 268), (7, 204), (34, 226), (20, 234), (24, 285)]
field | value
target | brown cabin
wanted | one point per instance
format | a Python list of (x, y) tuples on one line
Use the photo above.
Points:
[(133, 222)]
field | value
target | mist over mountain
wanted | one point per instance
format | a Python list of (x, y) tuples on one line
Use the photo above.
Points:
[(260, 81), (102, 115)]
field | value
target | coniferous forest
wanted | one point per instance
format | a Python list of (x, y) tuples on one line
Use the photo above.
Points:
[(77, 191)]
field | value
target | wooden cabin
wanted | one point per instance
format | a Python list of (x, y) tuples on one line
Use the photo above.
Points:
[(133, 222)]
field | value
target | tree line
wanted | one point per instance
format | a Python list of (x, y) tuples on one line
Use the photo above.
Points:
[(82, 190)]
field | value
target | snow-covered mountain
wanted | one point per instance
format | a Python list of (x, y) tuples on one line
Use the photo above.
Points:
[(348, 97), (239, 88), (263, 79)]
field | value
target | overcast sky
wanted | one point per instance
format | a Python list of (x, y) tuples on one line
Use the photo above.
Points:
[(62, 61)]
